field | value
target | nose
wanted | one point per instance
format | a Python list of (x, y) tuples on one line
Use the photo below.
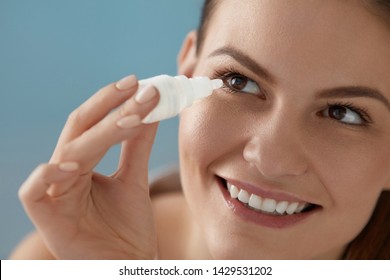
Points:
[(277, 150)]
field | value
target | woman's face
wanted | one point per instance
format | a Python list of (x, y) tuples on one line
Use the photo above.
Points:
[(303, 121)]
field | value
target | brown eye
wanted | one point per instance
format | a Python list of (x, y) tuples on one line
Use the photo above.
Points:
[(337, 112), (242, 84), (238, 82), (343, 114)]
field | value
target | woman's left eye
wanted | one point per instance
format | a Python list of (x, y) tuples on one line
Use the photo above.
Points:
[(240, 83), (343, 114)]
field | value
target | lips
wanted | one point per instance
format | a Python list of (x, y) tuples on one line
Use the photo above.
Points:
[(270, 209)]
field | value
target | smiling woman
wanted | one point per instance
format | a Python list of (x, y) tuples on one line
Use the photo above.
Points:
[(304, 119), (288, 160)]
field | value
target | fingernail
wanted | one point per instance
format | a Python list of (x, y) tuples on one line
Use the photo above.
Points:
[(145, 94), (129, 121), (126, 83), (68, 166)]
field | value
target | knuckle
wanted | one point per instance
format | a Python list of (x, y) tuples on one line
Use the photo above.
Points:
[(124, 109), (23, 192), (74, 118)]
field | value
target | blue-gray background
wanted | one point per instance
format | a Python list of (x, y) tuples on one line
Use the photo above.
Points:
[(53, 55)]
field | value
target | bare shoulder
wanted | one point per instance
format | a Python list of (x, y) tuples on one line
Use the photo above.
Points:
[(171, 218)]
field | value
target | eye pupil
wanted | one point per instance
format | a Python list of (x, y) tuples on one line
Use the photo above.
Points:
[(238, 82), (337, 112)]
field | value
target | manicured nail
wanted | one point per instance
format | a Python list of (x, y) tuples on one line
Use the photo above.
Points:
[(126, 83), (68, 166), (129, 121), (145, 94)]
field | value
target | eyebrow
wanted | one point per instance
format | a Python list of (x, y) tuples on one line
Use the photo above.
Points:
[(354, 91), (339, 92), (245, 61)]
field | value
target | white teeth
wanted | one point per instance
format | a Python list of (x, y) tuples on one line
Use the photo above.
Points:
[(243, 196), (268, 205), (292, 207), (301, 206), (234, 191), (265, 204), (281, 207), (229, 186), (255, 201)]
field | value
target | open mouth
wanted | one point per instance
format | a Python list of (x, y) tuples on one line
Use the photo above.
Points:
[(261, 204)]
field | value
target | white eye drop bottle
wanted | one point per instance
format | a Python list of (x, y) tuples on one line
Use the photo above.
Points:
[(177, 93)]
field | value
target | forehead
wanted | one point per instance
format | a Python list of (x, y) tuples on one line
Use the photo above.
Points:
[(335, 40)]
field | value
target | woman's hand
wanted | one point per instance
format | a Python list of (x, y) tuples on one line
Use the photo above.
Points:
[(81, 214)]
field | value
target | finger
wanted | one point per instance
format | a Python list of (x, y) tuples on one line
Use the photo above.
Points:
[(34, 189), (124, 123), (97, 107), (134, 157)]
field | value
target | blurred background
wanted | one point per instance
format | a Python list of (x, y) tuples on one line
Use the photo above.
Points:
[(54, 55)]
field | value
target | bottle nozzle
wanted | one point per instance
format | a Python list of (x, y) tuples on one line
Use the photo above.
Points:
[(216, 83)]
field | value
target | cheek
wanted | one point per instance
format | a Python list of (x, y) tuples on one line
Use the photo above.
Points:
[(354, 173), (209, 129), (360, 165), (208, 134)]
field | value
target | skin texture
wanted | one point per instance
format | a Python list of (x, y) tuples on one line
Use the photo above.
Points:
[(279, 136), (81, 214), (283, 141)]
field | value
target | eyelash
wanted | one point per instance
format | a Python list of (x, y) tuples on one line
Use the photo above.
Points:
[(362, 113), (229, 72)]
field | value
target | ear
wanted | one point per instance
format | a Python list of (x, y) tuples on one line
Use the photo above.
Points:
[(187, 58)]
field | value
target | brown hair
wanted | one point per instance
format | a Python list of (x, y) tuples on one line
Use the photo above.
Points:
[(380, 8), (373, 242), (207, 12)]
